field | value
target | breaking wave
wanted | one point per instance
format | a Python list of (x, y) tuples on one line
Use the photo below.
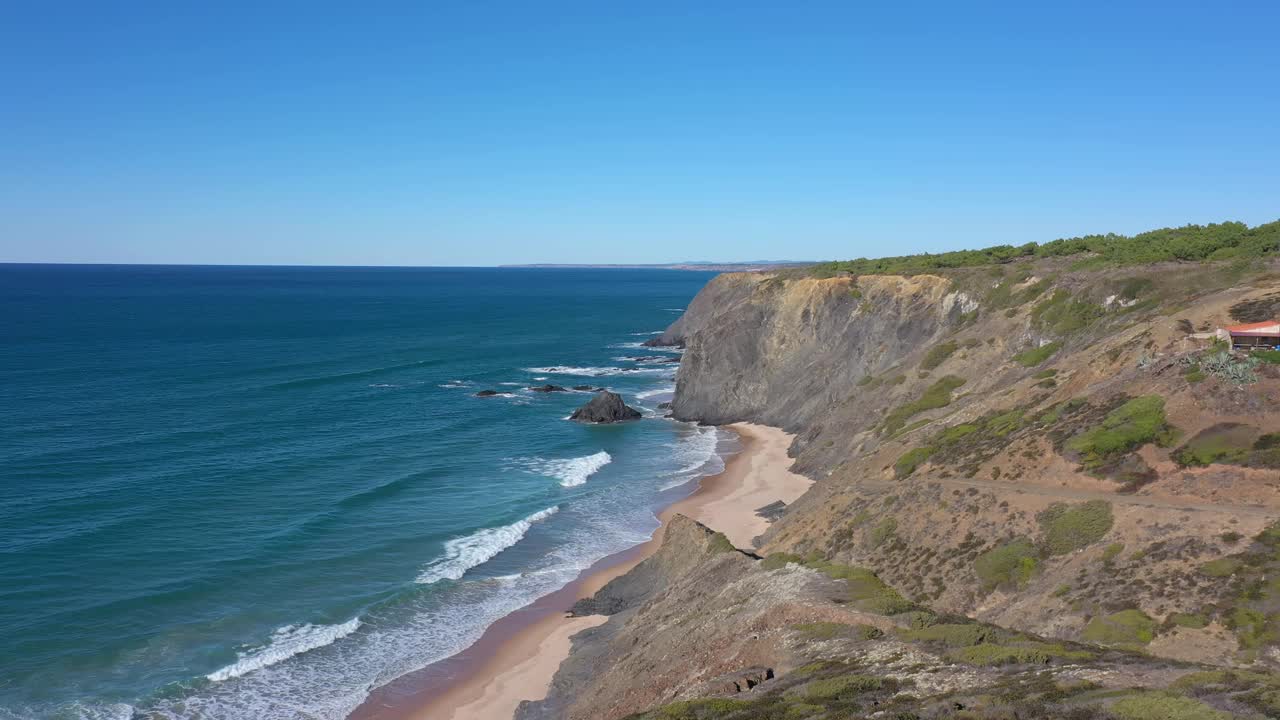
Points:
[(571, 472), (600, 371), (286, 642), (462, 554)]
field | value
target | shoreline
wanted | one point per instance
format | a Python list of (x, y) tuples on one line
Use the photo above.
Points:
[(516, 657)]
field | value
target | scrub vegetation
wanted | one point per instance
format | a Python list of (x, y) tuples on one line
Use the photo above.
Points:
[(1219, 241)]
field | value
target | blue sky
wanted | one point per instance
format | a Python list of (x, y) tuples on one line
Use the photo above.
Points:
[(484, 133)]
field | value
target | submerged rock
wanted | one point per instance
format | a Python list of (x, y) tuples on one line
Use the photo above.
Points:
[(488, 393), (587, 388), (547, 388), (605, 407)]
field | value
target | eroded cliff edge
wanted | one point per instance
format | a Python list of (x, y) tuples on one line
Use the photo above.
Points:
[(1057, 456)]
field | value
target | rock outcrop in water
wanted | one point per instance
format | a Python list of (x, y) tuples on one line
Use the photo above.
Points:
[(548, 388), (605, 407)]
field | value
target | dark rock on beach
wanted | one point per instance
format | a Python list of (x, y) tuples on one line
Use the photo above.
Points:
[(605, 407), (547, 388), (773, 511)]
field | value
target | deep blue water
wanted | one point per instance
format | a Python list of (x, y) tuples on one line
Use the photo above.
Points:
[(245, 492)]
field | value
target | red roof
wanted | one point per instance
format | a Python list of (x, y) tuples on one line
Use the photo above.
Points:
[(1252, 326)]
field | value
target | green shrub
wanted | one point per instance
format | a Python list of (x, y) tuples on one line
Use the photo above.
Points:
[(1036, 355), (1062, 314), (1033, 653), (1159, 705), (1223, 443), (1222, 567), (1045, 374), (1191, 242), (1195, 621), (938, 354), (1012, 564), (1005, 423), (1135, 286), (1130, 426), (1068, 528), (911, 460), (842, 686), (780, 559), (882, 532), (956, 635), (1112, 552), (1127, 627), (936, 395), (955, 433), (867, 592), (703, 709), (1267, 442), (719, 543), (1268, 356), (823, 630)]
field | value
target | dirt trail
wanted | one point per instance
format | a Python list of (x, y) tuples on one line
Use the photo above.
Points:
[(1067, 493)]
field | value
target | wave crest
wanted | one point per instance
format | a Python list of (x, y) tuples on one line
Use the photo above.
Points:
[(462, 554), (571, 472), (600, 371), (286, 642)]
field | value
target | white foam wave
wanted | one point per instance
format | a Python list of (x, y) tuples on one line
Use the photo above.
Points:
[(646, 348), (674, 309), (457, 384), (571, 472), (649, 360), (600, 371), (642, 334), (462, 554), (286, 642), (646, 394), (698, 453)]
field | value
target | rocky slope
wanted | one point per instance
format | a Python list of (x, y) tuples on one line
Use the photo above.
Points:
[(1026, 466)]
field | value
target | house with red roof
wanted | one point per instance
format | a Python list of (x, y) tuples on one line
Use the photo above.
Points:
[(1264, 334)]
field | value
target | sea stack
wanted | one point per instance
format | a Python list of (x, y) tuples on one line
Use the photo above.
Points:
[(605, 407)]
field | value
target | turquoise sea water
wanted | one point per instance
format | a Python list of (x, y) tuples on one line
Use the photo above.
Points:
[(261, 492)]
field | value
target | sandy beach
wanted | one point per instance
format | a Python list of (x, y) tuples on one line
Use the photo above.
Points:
[(517, 656)]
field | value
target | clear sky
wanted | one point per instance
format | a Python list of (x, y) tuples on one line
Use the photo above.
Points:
[(478, 133)]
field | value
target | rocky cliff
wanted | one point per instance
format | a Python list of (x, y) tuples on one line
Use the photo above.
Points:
[(1027, 465)]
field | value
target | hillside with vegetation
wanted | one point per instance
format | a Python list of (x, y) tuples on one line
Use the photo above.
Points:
[(1045, 488)]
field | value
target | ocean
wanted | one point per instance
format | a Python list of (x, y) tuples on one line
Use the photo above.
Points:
[(261, 492)]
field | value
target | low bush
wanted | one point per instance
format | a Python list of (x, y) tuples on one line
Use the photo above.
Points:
[(1062, 314), (1128, 427), (1159, 705), (1127, 627), (1012, 564), (842, 685), (956, 636), (1036, 355), (911, 460), (936, 395), (938, 354), (1222, 567), (1068, 528)]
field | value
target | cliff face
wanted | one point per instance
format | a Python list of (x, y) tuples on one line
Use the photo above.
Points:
[(782, 352), (1050, 451)]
